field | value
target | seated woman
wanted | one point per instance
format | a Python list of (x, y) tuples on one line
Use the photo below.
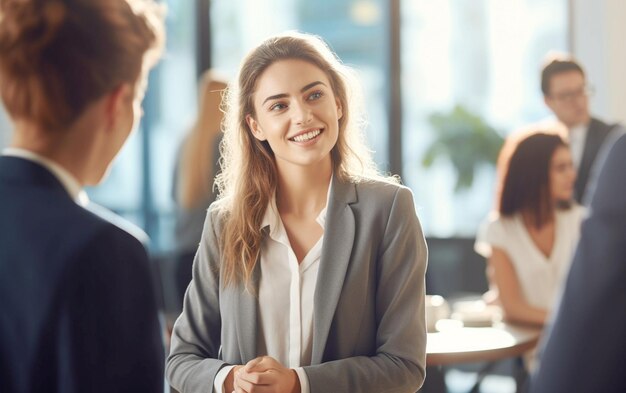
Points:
[(530, 239)]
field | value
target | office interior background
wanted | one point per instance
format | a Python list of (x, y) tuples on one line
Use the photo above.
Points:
[(467, 70)]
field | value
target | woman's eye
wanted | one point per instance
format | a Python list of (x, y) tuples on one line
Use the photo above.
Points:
[(278, 106), (316, 95)]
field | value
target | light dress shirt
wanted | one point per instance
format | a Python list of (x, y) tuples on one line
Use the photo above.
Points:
[(577, 137), (69, 182), (286, 291)]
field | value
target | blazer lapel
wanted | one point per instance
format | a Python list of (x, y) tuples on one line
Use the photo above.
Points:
[(336, 251), (245, 307), (596, 134)]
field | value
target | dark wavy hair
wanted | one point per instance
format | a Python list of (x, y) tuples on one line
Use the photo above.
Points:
[(525, 183)]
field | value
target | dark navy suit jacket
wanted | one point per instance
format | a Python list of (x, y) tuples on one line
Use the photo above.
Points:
[(78, 311), (598, 134), (586, 347)]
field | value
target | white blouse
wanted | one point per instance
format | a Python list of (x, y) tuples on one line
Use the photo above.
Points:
[(287, 285), (286, 291), (540, 277)]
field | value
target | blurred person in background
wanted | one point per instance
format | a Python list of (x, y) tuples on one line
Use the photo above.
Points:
[(566, 92), (529, 240), (79, 312), (197, 166), (585, 346)]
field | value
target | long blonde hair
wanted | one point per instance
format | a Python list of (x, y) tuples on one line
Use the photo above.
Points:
[(249, 175)]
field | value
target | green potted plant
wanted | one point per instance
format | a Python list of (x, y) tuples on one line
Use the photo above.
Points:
[(466, 140)]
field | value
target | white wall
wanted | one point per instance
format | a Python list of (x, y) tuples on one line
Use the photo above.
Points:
[(599, 43)]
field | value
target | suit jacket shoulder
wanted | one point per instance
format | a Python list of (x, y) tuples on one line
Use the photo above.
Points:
[(590, 323), (596, 141), (80, 306)]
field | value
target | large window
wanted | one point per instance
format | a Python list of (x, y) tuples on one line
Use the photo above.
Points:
[(474, 63), (467, 66)]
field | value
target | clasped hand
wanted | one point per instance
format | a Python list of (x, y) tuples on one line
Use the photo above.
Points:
[(265, 375)]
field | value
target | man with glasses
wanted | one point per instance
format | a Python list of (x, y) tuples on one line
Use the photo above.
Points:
[(566, 93)]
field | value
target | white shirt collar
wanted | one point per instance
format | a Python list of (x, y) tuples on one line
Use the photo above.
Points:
[(271, 217), (577, 136), (69, 182)]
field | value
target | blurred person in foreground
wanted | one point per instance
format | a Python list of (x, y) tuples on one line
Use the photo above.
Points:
[(566, 92), (530, 239), (79, 312), (194, 175), (585, 346)]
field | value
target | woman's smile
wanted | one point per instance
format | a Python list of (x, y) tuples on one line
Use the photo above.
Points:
[(307, 135)]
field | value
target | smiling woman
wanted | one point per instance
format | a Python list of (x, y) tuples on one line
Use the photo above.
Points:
[(301, 122), (310, 272)]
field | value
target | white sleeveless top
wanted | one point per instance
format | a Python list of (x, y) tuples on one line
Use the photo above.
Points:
[(540, 277)]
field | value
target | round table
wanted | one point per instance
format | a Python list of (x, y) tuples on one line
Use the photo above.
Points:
[(479, 344)]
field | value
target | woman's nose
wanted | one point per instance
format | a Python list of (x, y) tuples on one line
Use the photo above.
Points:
[(302, 113)]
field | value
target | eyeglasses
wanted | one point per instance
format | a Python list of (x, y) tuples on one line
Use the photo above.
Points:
[(571, 96)]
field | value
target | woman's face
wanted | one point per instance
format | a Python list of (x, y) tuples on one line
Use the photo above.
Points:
[(562, 175), (297, 113)]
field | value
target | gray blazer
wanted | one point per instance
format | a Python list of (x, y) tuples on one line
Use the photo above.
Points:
[(369, 332)]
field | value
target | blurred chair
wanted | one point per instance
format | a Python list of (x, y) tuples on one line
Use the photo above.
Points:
[(454, 268)]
